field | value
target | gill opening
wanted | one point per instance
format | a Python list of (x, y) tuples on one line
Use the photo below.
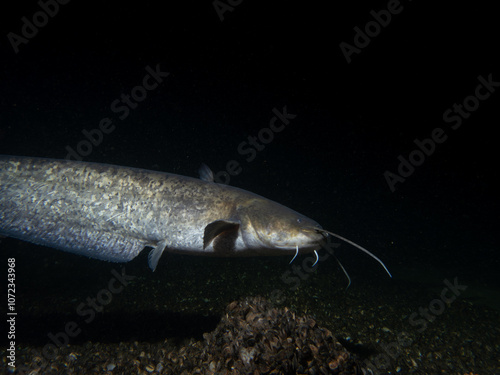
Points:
[(356, 246)]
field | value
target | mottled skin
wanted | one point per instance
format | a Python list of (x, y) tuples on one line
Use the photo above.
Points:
[(110, 212)]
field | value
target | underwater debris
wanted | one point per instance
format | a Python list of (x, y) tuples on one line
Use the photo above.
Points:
[(255, 337), (252, 337)]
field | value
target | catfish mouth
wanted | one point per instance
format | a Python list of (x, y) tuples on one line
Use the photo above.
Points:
[(308, 240), (312, 238), (317, 232)]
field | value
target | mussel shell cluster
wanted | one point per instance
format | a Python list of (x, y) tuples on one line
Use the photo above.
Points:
[(253, 337)]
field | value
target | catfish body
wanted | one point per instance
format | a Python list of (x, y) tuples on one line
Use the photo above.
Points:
[(112, 213)]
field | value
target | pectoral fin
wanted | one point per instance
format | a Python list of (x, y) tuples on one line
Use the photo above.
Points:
[(155, 254), (223, 233)]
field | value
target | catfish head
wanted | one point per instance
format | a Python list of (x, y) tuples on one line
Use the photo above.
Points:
[(270, 228), (264, 227), (275, 229)]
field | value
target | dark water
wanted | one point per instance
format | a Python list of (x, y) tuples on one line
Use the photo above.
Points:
[(352, 121)]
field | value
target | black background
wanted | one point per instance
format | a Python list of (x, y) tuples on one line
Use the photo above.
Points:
[(353, 119)]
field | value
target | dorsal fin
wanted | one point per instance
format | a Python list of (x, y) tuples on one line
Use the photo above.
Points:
[(206, 173)]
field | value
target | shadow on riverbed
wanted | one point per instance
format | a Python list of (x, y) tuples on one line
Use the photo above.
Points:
[(114, 327)]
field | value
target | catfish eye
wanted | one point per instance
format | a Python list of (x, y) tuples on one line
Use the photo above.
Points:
[(299, 220)]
